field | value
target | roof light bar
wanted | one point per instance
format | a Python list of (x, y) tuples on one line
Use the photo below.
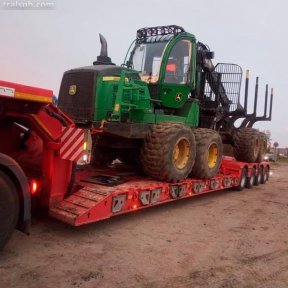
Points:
[(158, 30)]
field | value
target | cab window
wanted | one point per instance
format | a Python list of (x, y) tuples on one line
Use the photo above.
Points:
[(147, 59), (179, 63)]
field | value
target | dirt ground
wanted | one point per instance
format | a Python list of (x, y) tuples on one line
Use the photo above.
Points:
[(226, 239)]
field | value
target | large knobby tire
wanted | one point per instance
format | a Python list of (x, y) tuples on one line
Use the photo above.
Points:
[(209, 150), (9, 208), (168, 152), (247, 142), (262, 148)]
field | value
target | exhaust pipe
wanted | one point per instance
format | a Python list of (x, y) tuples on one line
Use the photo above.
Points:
[(103, 42), (103, 58)]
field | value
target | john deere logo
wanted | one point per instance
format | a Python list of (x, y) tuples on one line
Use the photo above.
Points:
[(72, 90), (178, 97)]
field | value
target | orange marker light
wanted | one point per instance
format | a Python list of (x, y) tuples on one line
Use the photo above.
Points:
[(34, 187), (135, 206), (85, 146)]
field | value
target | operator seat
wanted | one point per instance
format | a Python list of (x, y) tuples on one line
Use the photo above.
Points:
[(172, 72)]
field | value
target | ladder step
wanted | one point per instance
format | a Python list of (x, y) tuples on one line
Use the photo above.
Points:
[(81, 201), (72, 208), (93, 190), (87, 194), (62, 214)]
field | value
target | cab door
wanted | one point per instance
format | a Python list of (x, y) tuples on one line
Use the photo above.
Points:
[(176, 75)]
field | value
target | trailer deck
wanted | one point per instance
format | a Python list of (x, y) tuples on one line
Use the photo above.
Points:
[(98, 194)]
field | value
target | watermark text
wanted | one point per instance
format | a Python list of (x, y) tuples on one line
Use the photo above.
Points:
[(28, 5)]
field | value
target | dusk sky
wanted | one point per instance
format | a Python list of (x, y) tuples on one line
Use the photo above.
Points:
[(38, 45)]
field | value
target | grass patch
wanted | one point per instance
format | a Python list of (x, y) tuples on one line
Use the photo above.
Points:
[(282, 159)]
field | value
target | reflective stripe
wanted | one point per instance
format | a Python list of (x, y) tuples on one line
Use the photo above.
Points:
[(38, 98), (72, 144), (111, 78), (69, 152)]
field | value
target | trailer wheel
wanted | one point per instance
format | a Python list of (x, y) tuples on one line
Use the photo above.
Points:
[(9, 208), (209, 149), (251, 180), (168, 152), (258, 177), (267, 173), (246, 146), (264, 175), (242, 180)]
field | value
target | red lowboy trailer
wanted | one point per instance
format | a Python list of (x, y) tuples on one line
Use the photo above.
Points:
[(101, 194), (44, 158)]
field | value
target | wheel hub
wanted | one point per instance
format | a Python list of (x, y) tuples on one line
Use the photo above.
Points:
[(181, 153), (212, 155)]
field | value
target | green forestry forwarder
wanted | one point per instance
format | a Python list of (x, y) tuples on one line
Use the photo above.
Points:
[(168, 108)]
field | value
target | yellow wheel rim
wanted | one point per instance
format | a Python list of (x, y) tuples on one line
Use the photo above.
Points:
[(181, 153), (212, 155)]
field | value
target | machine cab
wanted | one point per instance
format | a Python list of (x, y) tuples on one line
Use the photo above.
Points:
[(165, 57)]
